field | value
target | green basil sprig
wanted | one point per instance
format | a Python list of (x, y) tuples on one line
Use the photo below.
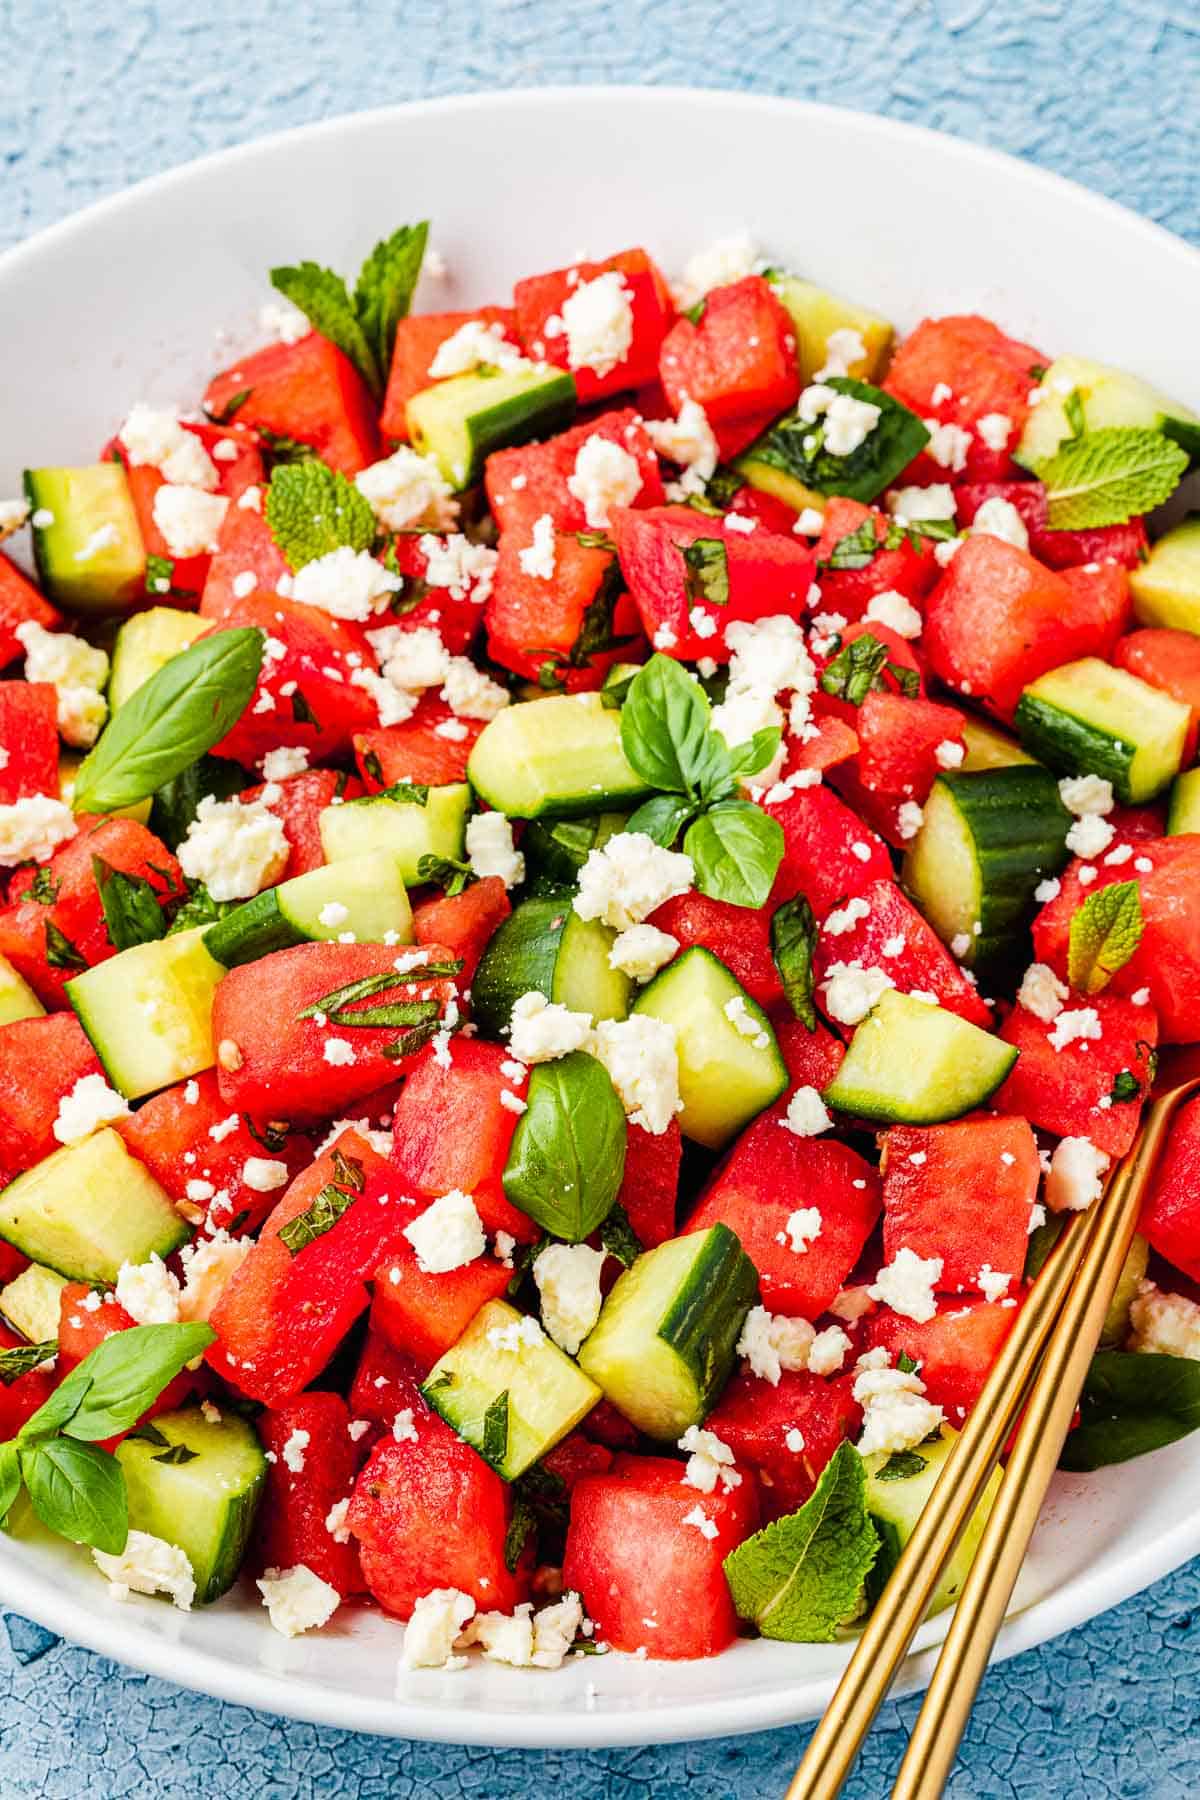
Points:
[(1132, 1403), (183, 710), (668, 736), (76, 1488), (567, 1159)]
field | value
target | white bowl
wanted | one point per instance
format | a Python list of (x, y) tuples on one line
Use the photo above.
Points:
[(144, 295)]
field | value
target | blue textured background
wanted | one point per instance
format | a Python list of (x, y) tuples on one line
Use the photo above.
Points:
[(98, 93)]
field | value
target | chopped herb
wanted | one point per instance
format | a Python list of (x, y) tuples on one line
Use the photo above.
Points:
[(905, 1364), (707, 564), (132, 914), (405, 793), (160, 573), (855, 550), (230, 408), (22, 1358), (494, 1446), (272, 1137), (793, 944), (302, 712), (43, 888), (199, 908), (372, 767), (1073, 411), (178, 1453), (348, 1172), (60, 951), (451, 875), (900, 1465), (619, 1238), (336, 1004), (595, 540), (328, 1207), (1125, 1087), (859, 668)]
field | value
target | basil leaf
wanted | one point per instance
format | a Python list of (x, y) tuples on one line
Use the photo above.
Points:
[(793, 945), (494, 1445), (126, 1374), (666, 731), (1132, 1403), (410, 1042), (10, 1477), (177, 801), (856, 670), (78, 1491), (328, 1207), (737, 849), (451, 875), (60, 951), (178, 1453), (1105, 932), (520, 1525), (185, 708), (749, 758), (43, 888), (662, 818), (567, 1157), (404, 793), (200, 909), (618, 1237), (22, 1358), (384, 291), (798, 448), (132, 914), (707, 564)]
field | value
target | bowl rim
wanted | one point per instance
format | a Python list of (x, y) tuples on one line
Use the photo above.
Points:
[(59, 1607)]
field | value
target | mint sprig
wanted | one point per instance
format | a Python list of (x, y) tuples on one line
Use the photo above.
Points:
[(312, 509), (1105, 932), (1106, 477), (362, 324), (801, 1577)]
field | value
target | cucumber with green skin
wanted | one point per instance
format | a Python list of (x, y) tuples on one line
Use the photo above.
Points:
[(460, 421), (545, 947), (148, 1011), (17, 998), (89, 1207), (1166, 589), (910, 1063), (556, 849), (410, 830), (364, 895), (532, 1391), (1088, 718), (31, 1302), (898, 1487), (196, 1483), (1107, 397), (1183, 814), (86, 541), (144, 643), (663, 1346), (554, 759), (987, 838), (989, 748)]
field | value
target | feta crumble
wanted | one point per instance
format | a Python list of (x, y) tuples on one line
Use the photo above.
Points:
[(598, 320), (605, 475), (490, 848), (568, 1283), (346, 584), (643, 1064), (709, 1461), (429, 1636), (235, 847), (189, 519), (148, 1291), (999, 518), (896, 612), (293, 1450), (801, 1228), (148, 1565), (708, 1528), (723, 262), (78, 673), (407, 490), (1163, 1324), (641, 951), (537, 559), (628, 878), (152, 438), (542, 1032), (474, 345), (32, 828), (90, 1104), (297, 1600), (1074, 1177), (806, 1114), (771, 1343), (209, 1264), (1042, 993), (1080, 1025), (850, 991), (907, 1283), (896, 1414), (689, 441), (1090, 835), (287, 760), (447, 1235)]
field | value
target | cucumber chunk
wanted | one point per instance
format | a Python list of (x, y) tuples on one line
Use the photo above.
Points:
[(31, 1302), (364, 895), (910, 1063), (554, 758), (459, 422), (544, 946), (144, 643), (1166, 589), (789, 459), (404, 828), (1183, 815), (726, 1075), (986, 840), (895, 1501), (989, 748), (89, 1207), (556, 849), (546, 1394), (17, 998), (196, 1484), (1108, 397), (86, 542), (663, 1346), (1088, 718), (816, 314), (148, 1012)]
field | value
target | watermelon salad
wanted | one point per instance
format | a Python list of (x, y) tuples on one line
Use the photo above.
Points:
[(586, 884)]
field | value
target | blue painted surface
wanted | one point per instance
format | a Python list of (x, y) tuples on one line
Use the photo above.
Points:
[(96, 96)]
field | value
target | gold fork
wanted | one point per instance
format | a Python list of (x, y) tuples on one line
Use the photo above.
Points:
[(1043, 1362)]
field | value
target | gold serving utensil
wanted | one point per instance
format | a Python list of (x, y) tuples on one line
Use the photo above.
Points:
[(1042, 1367)]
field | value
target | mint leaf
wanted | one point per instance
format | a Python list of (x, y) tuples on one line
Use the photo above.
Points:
[(78, 1491), (172, 719), (328, 1207), (567, 1157), (335, 1006), (798, 448), (384, 291), (1105, 932), (801, 1577), (859, 668), (22, 1358), (901, 1465), (322, 297), (1126, 1086), (1132, 1403), (132, 914), (855, 550), (451, 875), (667, 733), (707, 565), (737, 849), (312, 509), (793, 944), (1108, 476)]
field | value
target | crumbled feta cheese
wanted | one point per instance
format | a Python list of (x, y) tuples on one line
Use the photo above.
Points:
[(898, 614), (827, 1351), (1073, 1180), (414, 659), (909, 819), (793, 1438), (727, 260), (848, 422), (407, 490), (32, 828), (809, 523), (948, 445), (474, 345), (909, 505), (771, 1343), (293, 1450), (605, 475), (297, 1600), (148, 1565), (542, 1032), (993, 1283), (447, 1235), (999, 518), (568, 1283), (209, 1264), (189, 519), (470, 694), (90, 1104), (148, 1291), (460, 566), (1042, 993), (801, 1228), (1047, 890), (346, 584), (906, 1284), (843, 348), (709, 1461), (287, 760), (806, 1115), (598, 320), (282, 322), (537, 558), (1086, 796), (335, 1521), (339, 1053), (555, 1629), (995, 429), (707, 1527), (664, 638), (503, 1637), (739, 522), (1140, 996), (404, 1430), (628, 878), (689, 441), (263, 1174), (850, 990), (845, 918), (949, 755), (333, 914), (1076, 1026), (643, 1064), (156, 439), (76, 670), (437, 1620), (769, 658), (641, 951), (1090, 835), (896, 1414), (519, 1334), (13, 515), (235, 847), (1163, 1324), (490, 848)]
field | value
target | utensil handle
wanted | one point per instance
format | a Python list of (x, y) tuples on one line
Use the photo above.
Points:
[(979, 1614)]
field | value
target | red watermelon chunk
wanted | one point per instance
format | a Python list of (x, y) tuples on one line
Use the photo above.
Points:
[(291, 1524), (308, 391), (959, 368), (755, 1419), (464, 922), (560, 631), (20, 1399), (894, 937), (1169, 660), (20, 602), (961, 1192), (1126, 545), (29, 736), (1029, 498), (903, 747), (418, 340), (738, 936), (739, 362), (1171, 1215), (420, 750), (530, 480), (910, 569), (1070, 1090), (41, 1059), (385, 1382), (813, 1058), (650, 1185), (955, 1349), (829, 853), (421, 1314), (539, 302)]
